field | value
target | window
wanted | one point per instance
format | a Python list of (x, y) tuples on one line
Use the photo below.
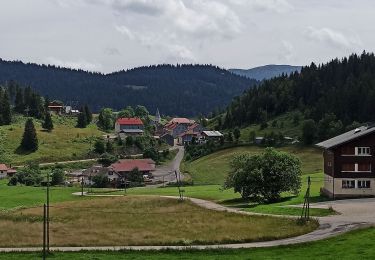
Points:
[(363, 184), (347, 167), (363, 151), (348, 184), (329, 164), (364, 167), (346, 150)]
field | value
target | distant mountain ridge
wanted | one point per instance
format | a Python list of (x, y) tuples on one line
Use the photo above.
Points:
[(184, 90), (266, 72)]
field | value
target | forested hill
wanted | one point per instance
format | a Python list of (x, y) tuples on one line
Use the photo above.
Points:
[(184, 90), (341, 90), (267, 71)]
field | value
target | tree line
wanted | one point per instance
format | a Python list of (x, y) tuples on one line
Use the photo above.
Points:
[(185, 90), (333, 97)]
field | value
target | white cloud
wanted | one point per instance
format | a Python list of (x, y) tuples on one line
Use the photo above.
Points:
[(80, 64), (125, 31), (286, 52), (334, 38), (279, 6)]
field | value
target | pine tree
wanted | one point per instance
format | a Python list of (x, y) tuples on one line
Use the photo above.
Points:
[(29, 140), (5, 111), (19, 105), (88, 114), (82, 120), (47, 124)]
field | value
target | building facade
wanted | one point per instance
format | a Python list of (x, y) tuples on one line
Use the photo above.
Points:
[(349, 163)]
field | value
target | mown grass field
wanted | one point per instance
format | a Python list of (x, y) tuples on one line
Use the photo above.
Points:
[(65, 142), (353, 245), (213, 168), (140, 220), (25, 196)]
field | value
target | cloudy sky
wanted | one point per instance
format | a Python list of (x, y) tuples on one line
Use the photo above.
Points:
[(109, 35)]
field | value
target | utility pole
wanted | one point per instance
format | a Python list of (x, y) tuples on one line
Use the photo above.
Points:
[(44, 231), (48, 212), (82, 185), (305, 215)]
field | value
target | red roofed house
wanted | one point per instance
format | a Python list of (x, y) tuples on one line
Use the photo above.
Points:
[(178, 126), (6, 172), (129, 126), (124, 167)]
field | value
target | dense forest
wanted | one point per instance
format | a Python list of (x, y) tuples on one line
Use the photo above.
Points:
[(339, 93), (185, 90)]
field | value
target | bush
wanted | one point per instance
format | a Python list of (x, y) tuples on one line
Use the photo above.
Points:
[(100, 181), (58, 176), (99, 147)]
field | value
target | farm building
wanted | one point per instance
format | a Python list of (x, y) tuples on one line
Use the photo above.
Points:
[(348, 164), (168, 138), (6, 171), (124, 167), (129, 126), (56, 107), (212, 135)]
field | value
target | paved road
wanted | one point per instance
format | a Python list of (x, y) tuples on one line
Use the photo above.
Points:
[(168, 170)]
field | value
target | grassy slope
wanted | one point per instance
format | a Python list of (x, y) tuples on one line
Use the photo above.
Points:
[(354, 245), (65, 142), (213, 168), (140, 220)]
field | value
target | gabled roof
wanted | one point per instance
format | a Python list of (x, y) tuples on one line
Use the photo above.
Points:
[(213, 133), (129, 121), (3, 167), (181, 120), (194, 125), (128, 165), (346, 137)]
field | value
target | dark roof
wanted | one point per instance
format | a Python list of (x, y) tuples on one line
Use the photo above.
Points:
[(346, 137)]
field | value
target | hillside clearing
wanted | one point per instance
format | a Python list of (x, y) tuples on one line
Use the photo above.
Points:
[(213, 168), (65, 142)]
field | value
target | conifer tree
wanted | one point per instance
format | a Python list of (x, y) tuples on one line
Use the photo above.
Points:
[(29, 140), (19, 105), (5, 111), (88, 114), (47, 124), (82, 120)]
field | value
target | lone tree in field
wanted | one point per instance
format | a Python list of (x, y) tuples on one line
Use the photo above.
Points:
[(47, 124), (29, 140), (264, 177)]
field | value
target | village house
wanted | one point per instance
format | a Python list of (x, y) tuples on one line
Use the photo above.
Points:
[(122, 168), (187, 137), (129, 126), (56, 107), (349, 164), (6, 171), (168, 139)]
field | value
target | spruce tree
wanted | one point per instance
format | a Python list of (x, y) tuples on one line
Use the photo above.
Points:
[(88, 114), (5, 111), (29, 140), (82, 120), (19, 105), (47, 124)]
